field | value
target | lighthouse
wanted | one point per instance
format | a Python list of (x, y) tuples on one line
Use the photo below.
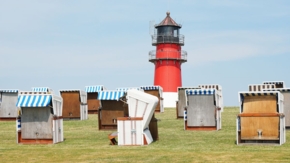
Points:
[(168, 58)]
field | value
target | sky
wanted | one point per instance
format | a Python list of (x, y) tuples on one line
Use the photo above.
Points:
[(70, 44)]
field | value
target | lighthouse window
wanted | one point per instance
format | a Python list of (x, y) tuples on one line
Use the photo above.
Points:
[(168, 31), (175, 33)]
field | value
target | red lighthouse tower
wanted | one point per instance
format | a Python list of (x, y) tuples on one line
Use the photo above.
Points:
[(168, 58)]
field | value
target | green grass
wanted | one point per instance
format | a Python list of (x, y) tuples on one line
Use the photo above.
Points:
[(85, 143)]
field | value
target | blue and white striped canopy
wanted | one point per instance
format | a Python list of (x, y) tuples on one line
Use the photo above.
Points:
[(95, 88), (9, 90), (145, 88), (200, 91), (35, 100), (110, 95), (40, 89)]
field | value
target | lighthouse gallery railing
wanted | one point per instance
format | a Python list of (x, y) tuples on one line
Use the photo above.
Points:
[(179, 39), (169, 55)]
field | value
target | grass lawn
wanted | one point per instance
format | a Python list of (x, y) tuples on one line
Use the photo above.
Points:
[(85, 143)]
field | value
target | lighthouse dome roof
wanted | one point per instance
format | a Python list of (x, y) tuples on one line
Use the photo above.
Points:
[(168, 21)]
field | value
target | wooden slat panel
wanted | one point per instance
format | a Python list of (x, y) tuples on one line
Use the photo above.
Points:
[(59, 132), (129, 118), (93, 102), (33, 141), (250, 126), (260, 114), (71, 104), (111, 109), (115, 105), (155, 93), (108, 116), (287, 108), (8, 107), (260, 104), (112, 105), (261, 138), (153, 128), (36, 123), (201, 111), (181, 103), (204, 128), (8, 119)]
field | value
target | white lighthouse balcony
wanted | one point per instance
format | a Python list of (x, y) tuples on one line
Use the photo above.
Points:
[(168, 55), (176, 39)]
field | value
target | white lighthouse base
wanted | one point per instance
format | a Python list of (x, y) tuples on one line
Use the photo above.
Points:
[(169, 99)]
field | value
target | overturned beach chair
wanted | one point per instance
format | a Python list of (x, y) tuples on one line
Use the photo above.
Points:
[(134, 130), (40, 120), (202, 111), (8, 100), (261, 119), (155, 91)]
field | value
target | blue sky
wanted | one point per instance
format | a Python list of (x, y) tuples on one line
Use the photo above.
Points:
[(69, 44)]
